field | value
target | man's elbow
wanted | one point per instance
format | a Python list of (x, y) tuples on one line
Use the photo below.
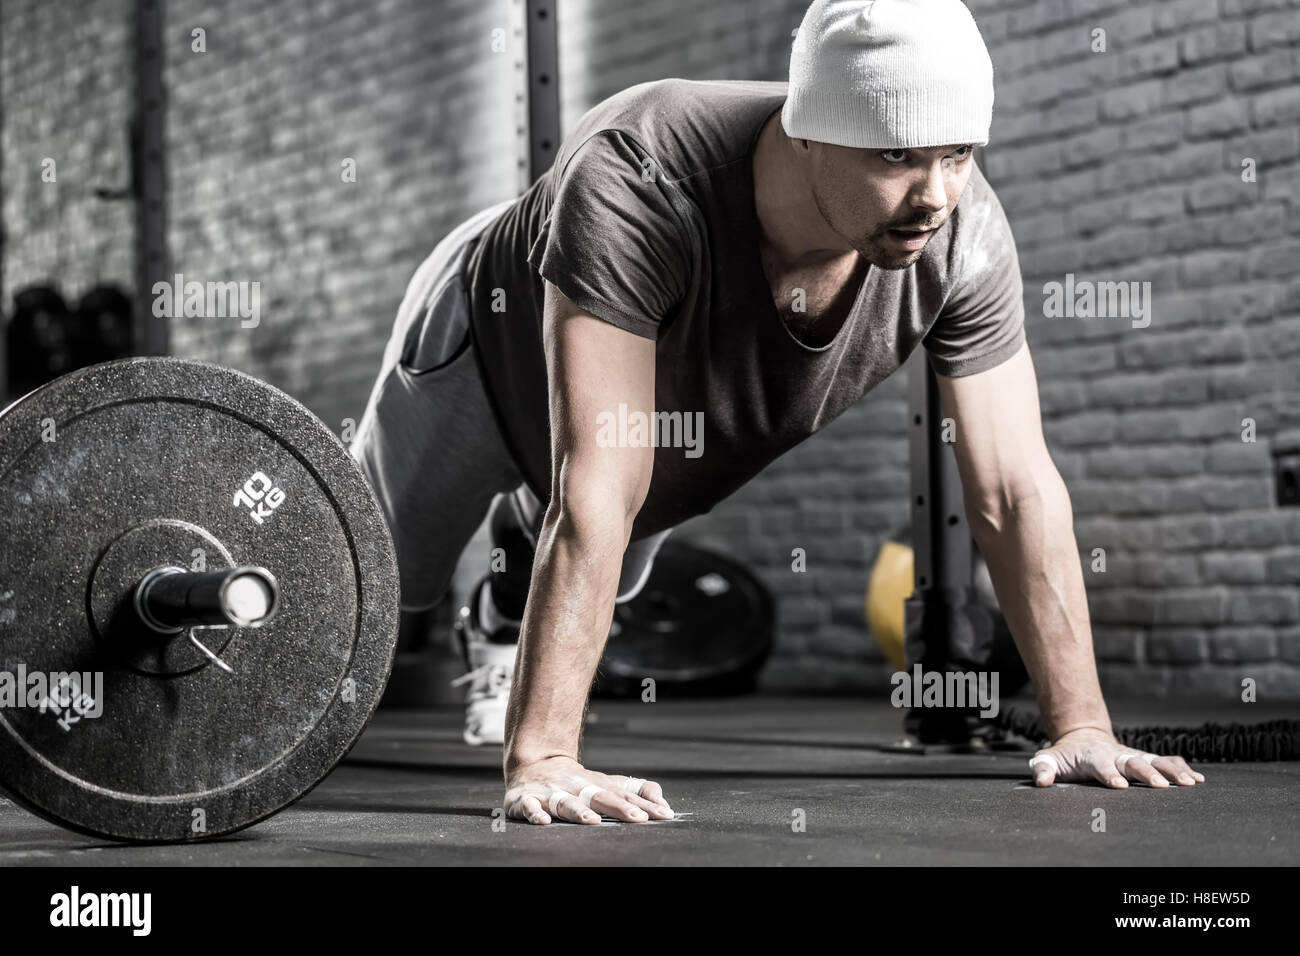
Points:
[(594, 511), (1039, 500)]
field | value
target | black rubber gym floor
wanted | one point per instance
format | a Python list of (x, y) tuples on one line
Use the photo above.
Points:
[(738, 771)]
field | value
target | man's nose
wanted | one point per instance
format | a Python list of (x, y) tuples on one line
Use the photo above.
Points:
[(929, 192)]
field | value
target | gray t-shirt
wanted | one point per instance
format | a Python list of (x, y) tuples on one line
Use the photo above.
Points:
[(647, 221)]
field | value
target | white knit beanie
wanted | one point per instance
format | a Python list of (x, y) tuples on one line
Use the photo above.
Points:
[(889, 74)]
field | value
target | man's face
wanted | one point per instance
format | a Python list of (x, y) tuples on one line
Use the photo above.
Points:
[(878, 199)]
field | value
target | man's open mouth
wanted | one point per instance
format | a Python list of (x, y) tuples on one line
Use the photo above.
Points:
[(910, 238)]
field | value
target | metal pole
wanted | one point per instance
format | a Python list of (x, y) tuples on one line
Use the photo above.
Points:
[(149, 178), (541, 94), (939, 634), (942, 537)]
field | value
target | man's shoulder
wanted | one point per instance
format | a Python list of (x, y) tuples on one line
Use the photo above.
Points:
[(684, 126)]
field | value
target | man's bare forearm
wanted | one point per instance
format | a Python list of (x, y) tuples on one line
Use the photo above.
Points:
[(1033, 559), (570, 606)]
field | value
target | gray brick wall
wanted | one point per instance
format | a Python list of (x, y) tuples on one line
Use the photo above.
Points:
[(259, 128), (1123, 165), (65, 75)]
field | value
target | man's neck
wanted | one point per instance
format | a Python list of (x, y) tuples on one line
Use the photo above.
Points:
[(790, 225)]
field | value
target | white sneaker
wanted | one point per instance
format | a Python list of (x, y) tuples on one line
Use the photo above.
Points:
[(491, 673)]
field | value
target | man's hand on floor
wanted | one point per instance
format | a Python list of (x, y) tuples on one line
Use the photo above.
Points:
[(559, 788), (1092, 754)]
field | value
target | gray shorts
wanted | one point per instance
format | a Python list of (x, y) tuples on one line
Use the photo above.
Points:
[(429, 442)]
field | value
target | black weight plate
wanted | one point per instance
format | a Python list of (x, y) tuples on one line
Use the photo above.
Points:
[(702, 623), (147, 462)]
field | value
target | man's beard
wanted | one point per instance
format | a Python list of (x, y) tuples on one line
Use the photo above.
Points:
[(874, 251), (872, 248)]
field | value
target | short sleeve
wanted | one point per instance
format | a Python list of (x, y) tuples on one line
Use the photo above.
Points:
[(982, 323), (612, 241)]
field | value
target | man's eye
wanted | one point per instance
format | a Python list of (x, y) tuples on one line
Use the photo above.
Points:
[(894, 155), (961, 152)]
